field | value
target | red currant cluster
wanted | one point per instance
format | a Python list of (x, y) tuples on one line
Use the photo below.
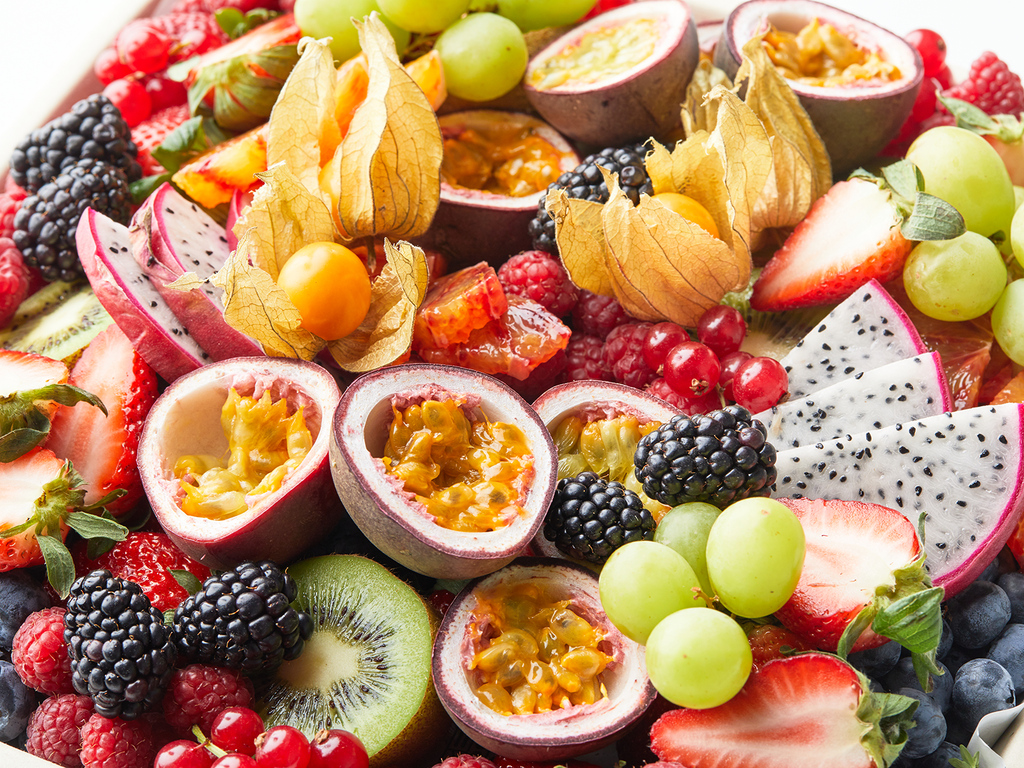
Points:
[(237, 740)]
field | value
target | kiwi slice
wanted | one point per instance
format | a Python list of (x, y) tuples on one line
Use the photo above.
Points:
[(367, 666), (58, 321)]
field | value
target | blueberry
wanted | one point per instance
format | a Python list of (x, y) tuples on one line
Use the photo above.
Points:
[(978, 614), (1008, 650), (942, 687), (981, 686), (20, 595), (929, 729), (17, 701), (991, 572), (877, 662), (1013, 585), (958, 656), (939, 758), (902, 675), (945, 641)]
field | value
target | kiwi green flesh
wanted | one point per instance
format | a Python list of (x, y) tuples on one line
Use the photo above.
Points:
[(366, 668), (58, 321)]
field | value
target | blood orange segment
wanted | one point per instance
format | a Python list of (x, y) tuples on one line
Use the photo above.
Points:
[(457, 305), (1013, 392)]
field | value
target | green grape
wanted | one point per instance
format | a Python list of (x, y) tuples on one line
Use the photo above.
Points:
[(755, 552), (484, 56), (685, 528), (964, 170), (642, 583), (1017, 234), (698, 658), (333, 18), (957, 279), (420, 16), (538, 14), (1008, 321), (1018, 197)]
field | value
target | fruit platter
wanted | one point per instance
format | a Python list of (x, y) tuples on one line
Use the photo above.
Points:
[(511, 384)]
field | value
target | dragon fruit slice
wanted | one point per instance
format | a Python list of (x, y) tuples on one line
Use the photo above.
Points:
[(867, 330), (171, 236), (964, 470), (104, 248), (902, 391)]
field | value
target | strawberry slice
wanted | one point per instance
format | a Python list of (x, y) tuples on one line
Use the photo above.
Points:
[(150, 133), (812, 711), (863, 580), (850, 235), (102, 448)]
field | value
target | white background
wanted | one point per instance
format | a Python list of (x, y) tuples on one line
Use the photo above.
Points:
[(46, 45)]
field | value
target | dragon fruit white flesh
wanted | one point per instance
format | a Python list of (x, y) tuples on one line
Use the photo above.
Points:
[(104, 248), (964, 470), (902, 391), (868, 330)]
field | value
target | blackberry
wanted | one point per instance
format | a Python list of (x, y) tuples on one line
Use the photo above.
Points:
[(718, 457), (45, 226), (589, 518), (122, 655), (242, 619), (585, 182), (91, 128)]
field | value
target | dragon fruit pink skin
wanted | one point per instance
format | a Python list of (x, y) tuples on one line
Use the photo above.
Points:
[(104, 249), (171, 236), (239, 202)]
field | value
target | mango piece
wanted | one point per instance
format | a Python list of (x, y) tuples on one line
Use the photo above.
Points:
[(213, 177)]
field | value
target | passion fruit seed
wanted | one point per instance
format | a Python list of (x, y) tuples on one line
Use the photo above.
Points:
[(511, 159), (330, 287), (821, 55)]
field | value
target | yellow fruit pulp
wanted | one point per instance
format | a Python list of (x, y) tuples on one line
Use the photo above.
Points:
[(541, 656), (264, 445), (821, 55), (463, 471), (689, 209), (600, 54), (504, 159)]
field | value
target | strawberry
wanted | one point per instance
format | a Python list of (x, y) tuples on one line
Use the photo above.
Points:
[(811, 711), (863, 580), (103, 449), (769, 642), (149, 134)]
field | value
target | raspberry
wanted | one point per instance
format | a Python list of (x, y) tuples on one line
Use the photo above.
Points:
[(584, 359), (768, 640), (149, 134), (8, 207), (991, 87), (596, 315), (661, 389), (210, 6), (110, 742), (14, 280), (541, 379), (40, 654), (465, 761), (17, 194), (54, 730), (131, 98), (537, 275), (193, 33), (623, 354), (197, 693)]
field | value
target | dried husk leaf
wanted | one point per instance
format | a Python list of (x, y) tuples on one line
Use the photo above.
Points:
[(303, 109), (698, 115), (386, 333), (255, 305), (581, 242), (388, 165)]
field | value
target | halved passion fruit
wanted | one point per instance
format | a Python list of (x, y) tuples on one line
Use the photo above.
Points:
[(445, 470), (496, 167), (618, 77), (234, 460), (529, 666), (855, 116)]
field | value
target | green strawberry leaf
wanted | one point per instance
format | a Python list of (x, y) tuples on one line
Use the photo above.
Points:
[(932, 218), (967, 759), (142, 188), (60, 568), (854, 629), (186, 579), (924, 668), (90, 526), (23, 423), (244, 88), (189, 140), (914, 621), (18, 442), (1007, 128), (235, 24), (903, 178)]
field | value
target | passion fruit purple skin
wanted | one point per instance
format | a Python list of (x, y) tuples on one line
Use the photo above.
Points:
[(632, 106), (555, 735), (185, 420), (593, 400), (473, 225), (390, 516), (855, 122)]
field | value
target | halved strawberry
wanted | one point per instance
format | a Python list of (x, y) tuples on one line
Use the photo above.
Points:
[(770, 641), (150, 133), (863, 580), (102, 448), (811, 711)]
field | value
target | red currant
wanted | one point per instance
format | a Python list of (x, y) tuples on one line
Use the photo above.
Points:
[(183, 754), (109, 67), (282, 747), (235, 760), (164, 92), (144, 47), (926, 101), (337, 749), (709, 401), (130, 97), (235, 730), (730, 364), (691, 369), (442, 600), (661, 338), (759, 384), (722, 328), (932, 48), (945, 77)]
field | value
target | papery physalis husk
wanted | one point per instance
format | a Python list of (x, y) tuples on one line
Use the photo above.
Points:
[(385, 177), (657, 264), (698, 115), (386, 333)]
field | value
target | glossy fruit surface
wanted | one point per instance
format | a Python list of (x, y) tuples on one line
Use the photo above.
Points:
[(282, 747), (958, 279), (337, 749), (333, 18), (689, 209), (329, 285), (235, 730), (484, 56), (418, 16)]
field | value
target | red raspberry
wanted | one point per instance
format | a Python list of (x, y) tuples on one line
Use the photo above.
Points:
[(54, 730), (541, 379), (16, 193), (192, 33), (624, 356), (596, 315), (465, 761), (768, 640), (210, 6), (149, 134), (40, 654), (115, 743), (131, 98), (539, 276), (14, 280), (661, 389), (197, 694), (991, 87), (9, 206), (584, 359)]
